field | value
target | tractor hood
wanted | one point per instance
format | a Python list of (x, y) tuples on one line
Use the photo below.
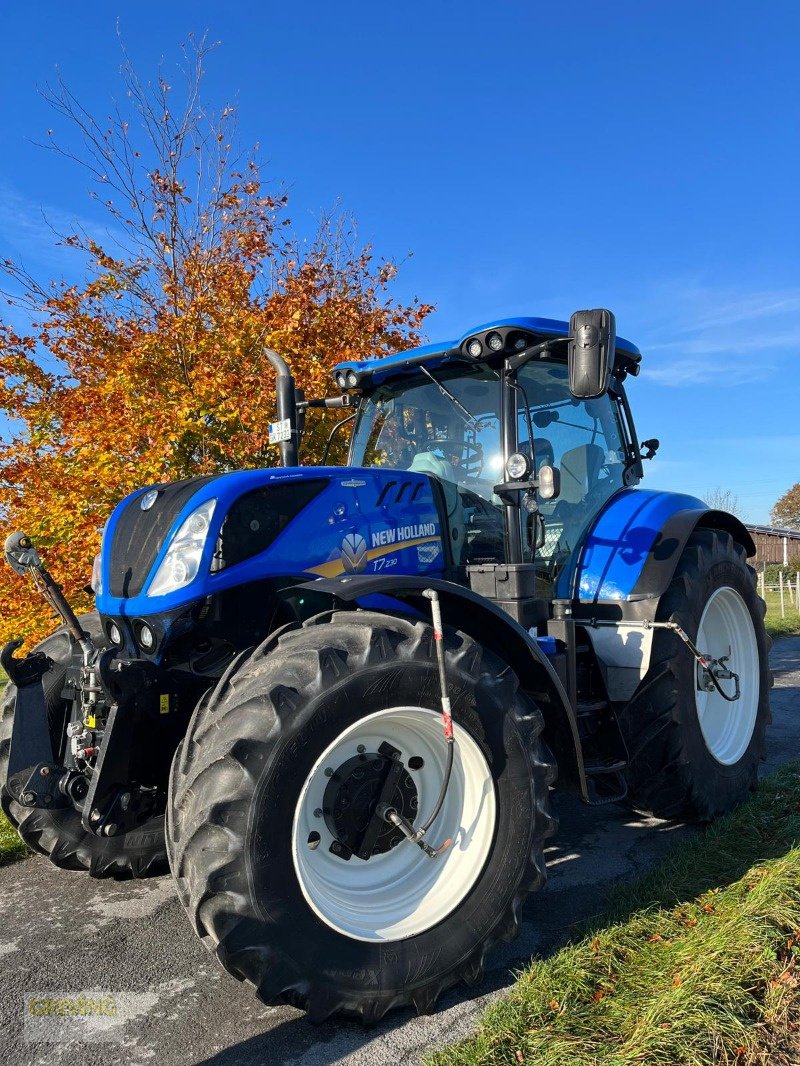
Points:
[(166, 546)]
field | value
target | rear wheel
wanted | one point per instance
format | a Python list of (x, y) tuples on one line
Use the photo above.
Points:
[(284, 870), (694, 754), (59, 834)]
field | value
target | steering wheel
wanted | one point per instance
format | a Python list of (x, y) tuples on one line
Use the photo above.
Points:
[(470, 455)]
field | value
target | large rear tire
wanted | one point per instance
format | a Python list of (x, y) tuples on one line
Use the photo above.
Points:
[(692, 754), (254, 851), (59, 834)]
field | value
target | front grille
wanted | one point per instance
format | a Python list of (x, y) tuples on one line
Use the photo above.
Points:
[(140, 534)]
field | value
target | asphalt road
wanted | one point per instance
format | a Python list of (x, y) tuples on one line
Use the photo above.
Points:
[(62, 934)]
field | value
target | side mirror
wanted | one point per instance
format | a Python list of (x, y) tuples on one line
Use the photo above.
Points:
[(592, 337)]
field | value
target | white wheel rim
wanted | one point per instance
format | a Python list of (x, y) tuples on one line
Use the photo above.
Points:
[(402, 892), (727, 628)]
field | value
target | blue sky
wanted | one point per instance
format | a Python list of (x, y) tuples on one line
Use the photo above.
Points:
[(534, 157)]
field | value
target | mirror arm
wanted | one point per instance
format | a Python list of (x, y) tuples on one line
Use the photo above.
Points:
[(514, 362)]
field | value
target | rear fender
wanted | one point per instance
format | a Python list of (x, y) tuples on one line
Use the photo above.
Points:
[(489, 626), (625, 565)]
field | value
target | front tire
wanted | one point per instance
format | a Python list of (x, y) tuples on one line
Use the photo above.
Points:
[(692, 754), (251, 825)]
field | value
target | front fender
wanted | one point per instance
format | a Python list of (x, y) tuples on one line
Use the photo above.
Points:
[(486, 623)]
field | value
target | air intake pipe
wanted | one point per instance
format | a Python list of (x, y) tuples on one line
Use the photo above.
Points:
[(287, 405)]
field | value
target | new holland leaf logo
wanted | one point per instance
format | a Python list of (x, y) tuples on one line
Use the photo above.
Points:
[(354, 553)]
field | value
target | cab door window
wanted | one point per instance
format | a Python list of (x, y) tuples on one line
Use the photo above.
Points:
[(584, 439)]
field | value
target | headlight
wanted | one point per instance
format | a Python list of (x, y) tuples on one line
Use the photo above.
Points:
[(517, 466), (96, 582), (182, 561)]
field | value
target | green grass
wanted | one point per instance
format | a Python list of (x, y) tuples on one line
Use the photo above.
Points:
[(693, 964), (777, 626), (11, 847)]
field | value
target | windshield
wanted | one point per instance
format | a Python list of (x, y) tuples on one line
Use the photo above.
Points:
[(448, 425)]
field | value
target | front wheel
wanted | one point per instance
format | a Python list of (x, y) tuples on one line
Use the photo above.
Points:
[(280, 861), (692, 753)]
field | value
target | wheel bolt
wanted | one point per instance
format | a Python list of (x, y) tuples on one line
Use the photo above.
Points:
[(318, 812), (328, 771), (361, 749)]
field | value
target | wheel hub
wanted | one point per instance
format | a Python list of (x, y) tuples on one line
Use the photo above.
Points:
[(351, 800), (400, 893)]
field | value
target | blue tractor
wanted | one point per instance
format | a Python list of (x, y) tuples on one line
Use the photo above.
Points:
[(336, 699)]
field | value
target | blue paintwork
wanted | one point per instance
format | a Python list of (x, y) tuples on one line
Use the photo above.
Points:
[(433, 355), (607, 565), (311, 544)]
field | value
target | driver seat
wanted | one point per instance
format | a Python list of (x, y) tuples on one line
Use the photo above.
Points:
[(579, 469)]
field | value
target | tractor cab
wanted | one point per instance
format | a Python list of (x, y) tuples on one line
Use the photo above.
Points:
[(525, 464)]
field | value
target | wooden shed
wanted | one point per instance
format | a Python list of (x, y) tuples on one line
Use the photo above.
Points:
[(775, 545)]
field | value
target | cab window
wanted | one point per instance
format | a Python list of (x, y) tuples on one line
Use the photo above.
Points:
[(584, 439)]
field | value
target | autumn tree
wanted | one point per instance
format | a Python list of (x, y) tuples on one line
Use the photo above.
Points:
[(786, 512), (151, 368)]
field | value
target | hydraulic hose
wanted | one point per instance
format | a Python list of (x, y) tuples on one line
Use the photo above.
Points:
[(389, 814)]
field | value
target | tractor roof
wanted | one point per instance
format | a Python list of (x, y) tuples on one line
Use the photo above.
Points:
[(533, 330)]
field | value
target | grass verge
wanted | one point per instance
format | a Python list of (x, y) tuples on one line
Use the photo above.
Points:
[(694, 964), (777, 626), (11, 847)]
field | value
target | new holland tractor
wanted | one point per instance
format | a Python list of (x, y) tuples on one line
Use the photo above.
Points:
[(336, 699)]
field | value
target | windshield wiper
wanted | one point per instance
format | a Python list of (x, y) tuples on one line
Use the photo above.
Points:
[(471, 421)]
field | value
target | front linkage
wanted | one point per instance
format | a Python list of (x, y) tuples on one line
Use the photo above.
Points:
[(108, 697)]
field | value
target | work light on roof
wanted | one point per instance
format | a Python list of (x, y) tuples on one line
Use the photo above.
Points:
[(474, 348), (495, 342)]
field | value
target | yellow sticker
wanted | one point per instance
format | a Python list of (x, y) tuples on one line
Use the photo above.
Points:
[(90, 721), (164, 703)]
